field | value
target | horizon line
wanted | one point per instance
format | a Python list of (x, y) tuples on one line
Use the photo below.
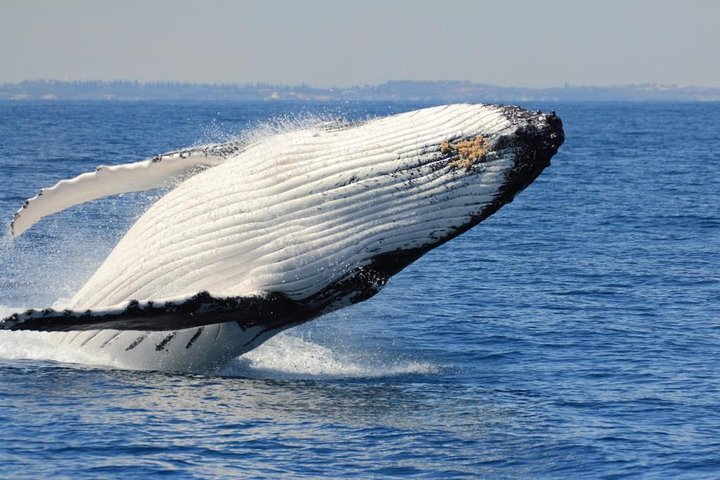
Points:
[(309, 85)]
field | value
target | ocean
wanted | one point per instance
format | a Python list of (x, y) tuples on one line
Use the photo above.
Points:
[(574, 334)]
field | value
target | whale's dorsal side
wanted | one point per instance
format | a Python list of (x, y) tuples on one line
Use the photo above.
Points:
[(116, 179)]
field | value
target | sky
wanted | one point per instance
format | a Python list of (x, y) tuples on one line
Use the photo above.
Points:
[(340, 43)]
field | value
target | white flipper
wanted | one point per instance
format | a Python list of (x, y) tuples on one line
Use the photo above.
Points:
[(113, 180)]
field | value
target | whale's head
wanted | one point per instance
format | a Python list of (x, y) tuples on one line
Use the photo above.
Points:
[(510, 159), (462, 173)]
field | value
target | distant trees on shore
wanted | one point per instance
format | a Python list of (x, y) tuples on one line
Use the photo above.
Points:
[(446, 91)]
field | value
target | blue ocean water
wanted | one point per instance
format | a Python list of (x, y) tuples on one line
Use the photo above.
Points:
[(575, 334)]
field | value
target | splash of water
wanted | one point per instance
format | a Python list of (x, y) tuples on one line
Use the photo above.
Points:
[(290, 356), (39, 346)]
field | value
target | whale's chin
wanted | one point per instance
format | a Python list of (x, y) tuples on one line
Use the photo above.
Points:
[(275, 232)]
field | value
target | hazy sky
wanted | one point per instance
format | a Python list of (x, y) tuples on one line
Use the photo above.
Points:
[(341, 43)]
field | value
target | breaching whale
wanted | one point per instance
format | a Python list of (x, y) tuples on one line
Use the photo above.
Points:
[(268, 234)]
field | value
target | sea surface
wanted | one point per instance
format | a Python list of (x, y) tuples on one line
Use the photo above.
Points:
[(574, 334)]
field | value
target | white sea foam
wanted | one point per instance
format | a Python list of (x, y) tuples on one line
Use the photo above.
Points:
[(41, 346), (290, 356)]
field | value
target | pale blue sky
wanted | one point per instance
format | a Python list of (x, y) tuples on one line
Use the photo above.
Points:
[(342, 43)]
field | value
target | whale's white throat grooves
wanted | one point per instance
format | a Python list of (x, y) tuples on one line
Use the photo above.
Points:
[(297, 212)]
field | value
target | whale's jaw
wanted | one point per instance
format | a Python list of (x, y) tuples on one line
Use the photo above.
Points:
[(296, 226)]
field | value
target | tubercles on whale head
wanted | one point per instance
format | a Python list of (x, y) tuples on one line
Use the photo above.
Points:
[(535, 141)]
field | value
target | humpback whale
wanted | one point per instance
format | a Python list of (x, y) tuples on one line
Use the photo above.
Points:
[(265, 234)]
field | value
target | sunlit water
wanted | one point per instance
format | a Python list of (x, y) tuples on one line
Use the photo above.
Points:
[(574, 334)]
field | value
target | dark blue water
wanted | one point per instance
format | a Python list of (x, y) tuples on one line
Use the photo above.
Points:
[(575, 334)]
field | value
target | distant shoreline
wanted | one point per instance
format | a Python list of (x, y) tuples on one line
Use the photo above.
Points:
[(437, 91)]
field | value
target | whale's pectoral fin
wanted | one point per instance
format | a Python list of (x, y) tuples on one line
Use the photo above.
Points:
[(272, 311), (116, 179)]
